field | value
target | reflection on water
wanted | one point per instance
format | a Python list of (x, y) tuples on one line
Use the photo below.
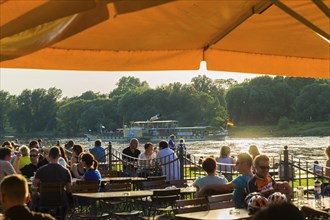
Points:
[(306, 148)]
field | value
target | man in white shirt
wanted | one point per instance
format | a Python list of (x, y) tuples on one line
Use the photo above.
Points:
[(169, 161)]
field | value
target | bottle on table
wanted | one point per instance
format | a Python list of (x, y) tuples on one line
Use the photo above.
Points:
[(317, 192)]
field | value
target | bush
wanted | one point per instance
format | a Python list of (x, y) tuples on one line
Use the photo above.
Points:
[(283, 123)]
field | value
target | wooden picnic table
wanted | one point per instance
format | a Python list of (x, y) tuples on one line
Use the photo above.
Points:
[(131, 194), (223, 214)]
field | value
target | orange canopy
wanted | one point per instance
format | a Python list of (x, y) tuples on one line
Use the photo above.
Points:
[(284, 37)]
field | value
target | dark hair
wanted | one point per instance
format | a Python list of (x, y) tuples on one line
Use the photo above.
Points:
[(98, 143), (245, 157), (88, 158), (259, 158), (54, 152), (4, 151), (209, 165), (6, 143), (63, 153), (283, 211), (77, 148), (147, 145), (69, 144), (163, 144), (33, 143)]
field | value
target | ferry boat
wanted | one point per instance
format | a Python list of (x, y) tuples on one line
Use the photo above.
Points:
[(156, 130)]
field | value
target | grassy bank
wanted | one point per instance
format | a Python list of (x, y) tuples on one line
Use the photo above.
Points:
[(293, 129)]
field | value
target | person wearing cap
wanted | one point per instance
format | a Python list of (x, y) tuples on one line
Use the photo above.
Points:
[(171, 142)]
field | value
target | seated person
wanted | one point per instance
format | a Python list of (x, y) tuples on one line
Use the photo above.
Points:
[(210, 166), (226, 162), (78, 169), (129, 154), (30, 169), (283, 211), (243, 166), (98, 151), (147, 160), (14, 196), (91, 165), (5, 166), (263, 183), (22, 158), (53, 172)]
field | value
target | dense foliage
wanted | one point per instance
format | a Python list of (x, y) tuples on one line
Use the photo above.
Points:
[(260, 101)]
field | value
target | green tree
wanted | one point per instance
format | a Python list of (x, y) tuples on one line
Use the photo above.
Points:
[(127, 84), (313, 103)]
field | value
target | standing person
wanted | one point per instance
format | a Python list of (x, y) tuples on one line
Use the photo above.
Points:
[(147, 160), (171, 142), (327, 165), (5, 166), (181, 145), (30, 169), (169, 161), (210, 167), (263, 183), (226, 163), (243, 165), (129, 153), (98, 151), (14, 196)]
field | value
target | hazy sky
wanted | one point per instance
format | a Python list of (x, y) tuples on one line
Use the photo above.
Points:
[(74, 83)]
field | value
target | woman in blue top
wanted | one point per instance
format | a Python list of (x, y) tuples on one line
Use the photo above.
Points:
[(91, 165)]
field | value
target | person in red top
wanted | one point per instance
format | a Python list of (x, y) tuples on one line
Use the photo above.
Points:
[(263, 183)]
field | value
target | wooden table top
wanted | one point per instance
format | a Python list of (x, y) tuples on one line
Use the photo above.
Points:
[(121, 194), (133, 179), (223, 214)]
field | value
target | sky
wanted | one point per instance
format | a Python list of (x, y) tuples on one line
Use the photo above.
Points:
[(74, 83)]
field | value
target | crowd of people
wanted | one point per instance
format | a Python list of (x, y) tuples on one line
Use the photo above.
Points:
[(253, 189)]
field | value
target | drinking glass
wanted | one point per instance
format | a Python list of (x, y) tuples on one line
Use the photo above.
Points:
[(300, 195), (190, 183)]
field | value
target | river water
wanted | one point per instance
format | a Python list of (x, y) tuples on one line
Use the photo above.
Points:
[(306, 148)]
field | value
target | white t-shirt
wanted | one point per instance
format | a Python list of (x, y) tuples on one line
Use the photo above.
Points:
[(170, 164)]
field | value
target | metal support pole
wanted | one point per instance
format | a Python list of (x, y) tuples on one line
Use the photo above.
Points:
[(110, 155), (286, 163), (181, 159)]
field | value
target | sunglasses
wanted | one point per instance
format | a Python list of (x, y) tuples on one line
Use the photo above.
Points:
[(33, 155), (264, 167)]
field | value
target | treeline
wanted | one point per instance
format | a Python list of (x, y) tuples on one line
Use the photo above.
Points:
[(260, 101)]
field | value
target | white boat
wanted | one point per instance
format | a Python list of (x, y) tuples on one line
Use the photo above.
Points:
[(154, 130)]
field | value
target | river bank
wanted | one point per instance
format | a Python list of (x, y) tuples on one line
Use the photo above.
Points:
[(318, 129)]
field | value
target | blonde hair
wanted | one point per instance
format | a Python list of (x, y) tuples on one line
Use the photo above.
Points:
[(224, 151), (24, 150), (327, 152), (254, 151)]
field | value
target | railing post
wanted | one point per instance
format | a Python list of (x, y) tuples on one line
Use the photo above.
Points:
[(286, 164), (181, 159), (110, 155)]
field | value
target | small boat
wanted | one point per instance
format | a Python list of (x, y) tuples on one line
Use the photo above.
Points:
[(156, 130)]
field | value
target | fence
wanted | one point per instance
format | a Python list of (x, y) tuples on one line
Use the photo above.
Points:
[(183, 165)]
